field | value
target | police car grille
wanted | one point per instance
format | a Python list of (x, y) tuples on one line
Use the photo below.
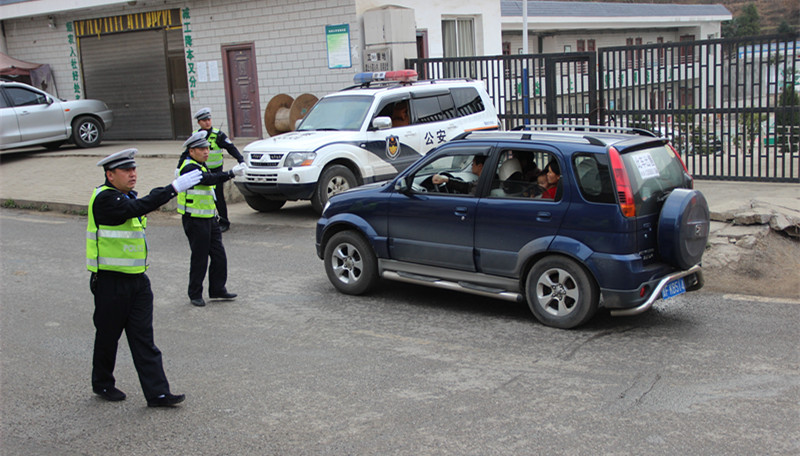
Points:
[(258, 160), (268, 164), (261, 178)]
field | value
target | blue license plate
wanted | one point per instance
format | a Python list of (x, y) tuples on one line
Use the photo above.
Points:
[(674, 288)]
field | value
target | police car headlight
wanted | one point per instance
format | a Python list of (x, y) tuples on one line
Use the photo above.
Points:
[(299, 159)]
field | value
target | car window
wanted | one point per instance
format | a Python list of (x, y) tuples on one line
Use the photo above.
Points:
[(337, 113), (398, 111), (594, 179), (462, 168), (3, 102), (23, 97), (467, 101), (520, 174), (653, 172), (433, 109)]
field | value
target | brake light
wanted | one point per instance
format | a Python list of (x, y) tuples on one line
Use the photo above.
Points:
[(399, 76), (624, 191)]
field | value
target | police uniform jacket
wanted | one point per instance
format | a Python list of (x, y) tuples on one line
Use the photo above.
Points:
[(222, 142), (112, 207)]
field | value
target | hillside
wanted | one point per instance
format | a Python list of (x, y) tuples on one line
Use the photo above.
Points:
[(772, 12)]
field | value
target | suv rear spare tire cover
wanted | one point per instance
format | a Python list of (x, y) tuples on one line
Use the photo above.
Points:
[(683, 228)]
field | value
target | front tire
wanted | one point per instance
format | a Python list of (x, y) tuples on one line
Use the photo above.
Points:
[(334, 179), (87, 132), (261, 204), (350, 263), (560, 292)]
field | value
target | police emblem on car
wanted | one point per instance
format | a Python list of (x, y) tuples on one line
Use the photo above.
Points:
[(392, 146)]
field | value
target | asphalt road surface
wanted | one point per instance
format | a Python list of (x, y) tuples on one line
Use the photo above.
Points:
[(294, 368)]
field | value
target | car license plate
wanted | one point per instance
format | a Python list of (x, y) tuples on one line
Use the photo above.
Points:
[(674, 288)]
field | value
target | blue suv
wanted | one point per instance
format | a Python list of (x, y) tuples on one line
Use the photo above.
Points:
[(566, 218)]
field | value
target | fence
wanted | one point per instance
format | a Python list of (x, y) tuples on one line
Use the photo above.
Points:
[(730, 106)]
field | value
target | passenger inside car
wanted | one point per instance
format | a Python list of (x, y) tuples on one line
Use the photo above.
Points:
[(459, 186), (400, 116), (553, 177)]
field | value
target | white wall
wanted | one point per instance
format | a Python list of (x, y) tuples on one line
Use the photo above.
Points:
[(289, 39)]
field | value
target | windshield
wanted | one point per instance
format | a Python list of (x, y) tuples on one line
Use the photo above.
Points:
[(654, 172), (337, 113)]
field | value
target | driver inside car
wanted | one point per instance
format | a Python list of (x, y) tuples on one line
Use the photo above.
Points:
[(458, 186)]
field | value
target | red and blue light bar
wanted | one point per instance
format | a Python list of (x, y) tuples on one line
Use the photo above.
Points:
[(383, 76)]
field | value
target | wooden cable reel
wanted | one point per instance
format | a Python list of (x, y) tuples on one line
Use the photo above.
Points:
[(283, 112)]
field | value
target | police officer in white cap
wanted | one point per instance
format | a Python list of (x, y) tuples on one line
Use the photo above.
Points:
[(218, 141), (116, 254), (200, 223)]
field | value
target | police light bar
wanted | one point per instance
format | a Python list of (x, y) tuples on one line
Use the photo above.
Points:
[(399, 76)]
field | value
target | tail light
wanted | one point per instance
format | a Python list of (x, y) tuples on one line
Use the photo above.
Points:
[(624, 191)]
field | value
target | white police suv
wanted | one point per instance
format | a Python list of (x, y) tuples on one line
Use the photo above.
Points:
[(366, 133)]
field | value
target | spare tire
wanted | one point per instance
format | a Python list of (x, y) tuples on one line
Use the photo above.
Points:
[(683, 227)]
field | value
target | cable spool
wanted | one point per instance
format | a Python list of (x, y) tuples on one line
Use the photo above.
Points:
[(283, 112)]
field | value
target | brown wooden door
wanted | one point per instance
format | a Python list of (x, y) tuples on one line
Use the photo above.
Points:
[(241, 88)]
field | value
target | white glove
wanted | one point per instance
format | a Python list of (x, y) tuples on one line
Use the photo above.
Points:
[(187, 181), (239, 169)]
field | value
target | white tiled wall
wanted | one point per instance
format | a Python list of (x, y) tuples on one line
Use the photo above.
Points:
[(288, 37)]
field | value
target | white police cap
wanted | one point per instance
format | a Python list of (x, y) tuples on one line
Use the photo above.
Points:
[(202, 114), (196, 140), (119, 160)]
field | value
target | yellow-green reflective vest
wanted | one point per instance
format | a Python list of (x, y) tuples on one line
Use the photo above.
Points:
[(120, 248), (198, 201), (215, 158)]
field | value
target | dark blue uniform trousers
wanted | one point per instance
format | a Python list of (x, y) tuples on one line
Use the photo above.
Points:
[(125, 302), (205, 240)]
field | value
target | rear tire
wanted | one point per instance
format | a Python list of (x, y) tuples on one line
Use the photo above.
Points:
[(560, 292), (350, 263), (334, 179), (261, 204), (87, 132)]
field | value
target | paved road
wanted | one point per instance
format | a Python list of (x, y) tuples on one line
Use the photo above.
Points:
[(294, 368)]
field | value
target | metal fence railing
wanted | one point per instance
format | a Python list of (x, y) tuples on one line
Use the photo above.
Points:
[(730, 106)]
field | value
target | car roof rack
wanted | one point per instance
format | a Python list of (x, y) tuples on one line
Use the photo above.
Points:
[(590, 128), (591, 139)]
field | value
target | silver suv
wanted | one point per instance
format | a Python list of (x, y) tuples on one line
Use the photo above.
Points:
[(31, 117), (366, 133)]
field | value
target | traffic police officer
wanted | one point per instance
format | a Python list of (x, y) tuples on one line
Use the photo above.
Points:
[(218, 141), (116, 254), (200, 222)]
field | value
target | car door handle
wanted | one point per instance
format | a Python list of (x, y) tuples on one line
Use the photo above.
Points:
[(460, 212), (543, 216)]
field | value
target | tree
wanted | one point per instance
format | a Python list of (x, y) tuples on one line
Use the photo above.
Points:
[(746, 23)]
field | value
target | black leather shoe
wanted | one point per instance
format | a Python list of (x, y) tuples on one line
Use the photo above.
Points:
[(110, 394), (166, 400), (198, 302), (224, 295)]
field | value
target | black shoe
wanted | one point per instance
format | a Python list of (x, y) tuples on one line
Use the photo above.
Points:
[(198, 302), (110, 394), (224, 295), (166, 400), (224, 228)]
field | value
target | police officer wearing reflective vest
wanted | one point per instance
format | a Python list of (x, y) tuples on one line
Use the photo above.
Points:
[(116, 254), (218, 141), (200, 224)]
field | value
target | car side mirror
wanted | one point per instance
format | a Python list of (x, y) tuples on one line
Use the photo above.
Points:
[(401, 186), (49, 100), (381, 123)]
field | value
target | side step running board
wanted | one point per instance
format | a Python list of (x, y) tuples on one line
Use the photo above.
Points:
[(465, 287)]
